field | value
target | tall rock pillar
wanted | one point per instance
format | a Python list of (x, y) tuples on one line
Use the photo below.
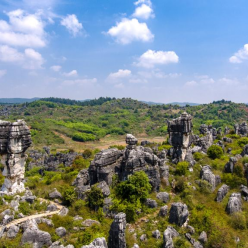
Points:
[(180, 133), (15, 139)]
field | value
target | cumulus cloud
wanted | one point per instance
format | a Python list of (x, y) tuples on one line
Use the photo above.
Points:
[(2, 73), (240, 56), (191, 83), (148, 2), (80, 82), (55, 68), (143, 12), (120, 74), (23, 29), (129, 30), (72, 73), (151, 58), (30, 59), (72, 24)]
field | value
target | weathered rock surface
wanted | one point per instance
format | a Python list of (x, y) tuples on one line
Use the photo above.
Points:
[(60, 231), (143, 237), (52, 207), (245, 151), (13, 231), (241, 129), (55, 194), (229, 167), (15, 139), (163, 196), (151, 203), (234, 204), (178, 213), (97, 243), (228, 140), (222, 191), (58, 244), (244, 192), (35, 236), (168, 236), (104, 188), (203, 238), (156, 234), (163, 211), (180, 136), (193, 242), (117, 237), (207, 175), (89, 222)]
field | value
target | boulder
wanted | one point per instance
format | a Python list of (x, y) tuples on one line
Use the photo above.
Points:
[(35, 236), (227, 140), (117, 238), (234, 204), (89, 223), (244, 192), (229, 167), (58, 244), (203, 238), (104, 188), (151, 203), (60, 231), (13, 231), (52, 207), (163, 211), (7, 219), (168, 236), (156, 234), (97, 243), (193, 242), (55, 194), (63, 212), (143, 237), (207, 175), (222, 191), (191, 229), (245, 151), (163, 196), (178, 213)]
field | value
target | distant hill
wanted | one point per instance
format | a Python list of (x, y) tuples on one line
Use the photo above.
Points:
[(181, 104), (17, 100)]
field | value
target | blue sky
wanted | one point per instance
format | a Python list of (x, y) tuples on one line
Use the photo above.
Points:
[(160, 50)]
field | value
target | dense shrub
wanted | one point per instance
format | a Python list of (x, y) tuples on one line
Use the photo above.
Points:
[(198, 156), (82, 137), (87, 153), (182, 168), (243, 141), (95, 198), (80, 163), (233, 180), (238, 221), (215, 151), (68, 194)]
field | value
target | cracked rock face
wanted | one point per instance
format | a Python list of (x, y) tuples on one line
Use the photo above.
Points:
[(207, 175), (168, 236), (178, 213), (222, 191), (234, 203), (117, 238), (15, 139)]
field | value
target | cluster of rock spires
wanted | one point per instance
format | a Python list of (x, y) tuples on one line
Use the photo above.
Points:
[(15, 139)]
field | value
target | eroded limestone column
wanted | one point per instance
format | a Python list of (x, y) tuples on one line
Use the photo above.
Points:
[(15, 139)]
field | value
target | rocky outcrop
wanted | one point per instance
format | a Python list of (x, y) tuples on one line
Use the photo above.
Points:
[(34, 236), (97, 243), (168, 236), (241, 129), (156, 234), (151, 203), (104, 188), (15, 139), (192, 241), (203, 238), (178, 213), (245, 151), (229, 167), (55, 194), (207, 175), (227, 140), (244, 192), (180, 133), (234, 204), (60, 231), (222, 191), (117, 238), (163, 196), (163, 211)]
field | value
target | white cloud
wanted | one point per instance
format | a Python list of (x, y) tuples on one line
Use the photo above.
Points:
[(148, 2), (151, 58), (191, 83), (119, 86), (26, 30), (2, 73), (80, 82), (143, 12), (72, 24), (119, 74), (30, 59), (72, 73), (129, 30), (239, 56), (55, 68), (228, 81)]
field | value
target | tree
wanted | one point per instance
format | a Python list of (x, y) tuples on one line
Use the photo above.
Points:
[(215, 151), (95, 198)]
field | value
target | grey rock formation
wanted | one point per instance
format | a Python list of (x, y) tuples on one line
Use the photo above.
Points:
[(89, 223), (245, 151), (180, 130), (234, 204), (135, 246), (52, 207), (193, 242), (178, 213), (55, 194), (222, 191), (7, 219), (13, 231), (34, 236), (143, 237), (117, 237), (104, 188), (64, 211), (221, 144), (156, 234), (60, 231), (168, 236), (15, 139), (227, 130), (244, 192), (48, 222), (151, 203), (97, 243), (163, 196), (227, 140), (207, 175), (203, 238), (191, 229), (58, 244), (241, 129), (82, 183), (163, 211), (229, 167)]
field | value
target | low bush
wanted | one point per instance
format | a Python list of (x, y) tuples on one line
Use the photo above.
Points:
[(182, 168), (214, 152)]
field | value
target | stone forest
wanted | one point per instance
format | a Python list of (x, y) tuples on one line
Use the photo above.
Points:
[(189, 191)]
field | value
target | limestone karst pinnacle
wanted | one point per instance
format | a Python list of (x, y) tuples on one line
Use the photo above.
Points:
[(15, 139)]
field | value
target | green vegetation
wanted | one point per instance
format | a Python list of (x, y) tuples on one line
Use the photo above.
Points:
[(215, 151)]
